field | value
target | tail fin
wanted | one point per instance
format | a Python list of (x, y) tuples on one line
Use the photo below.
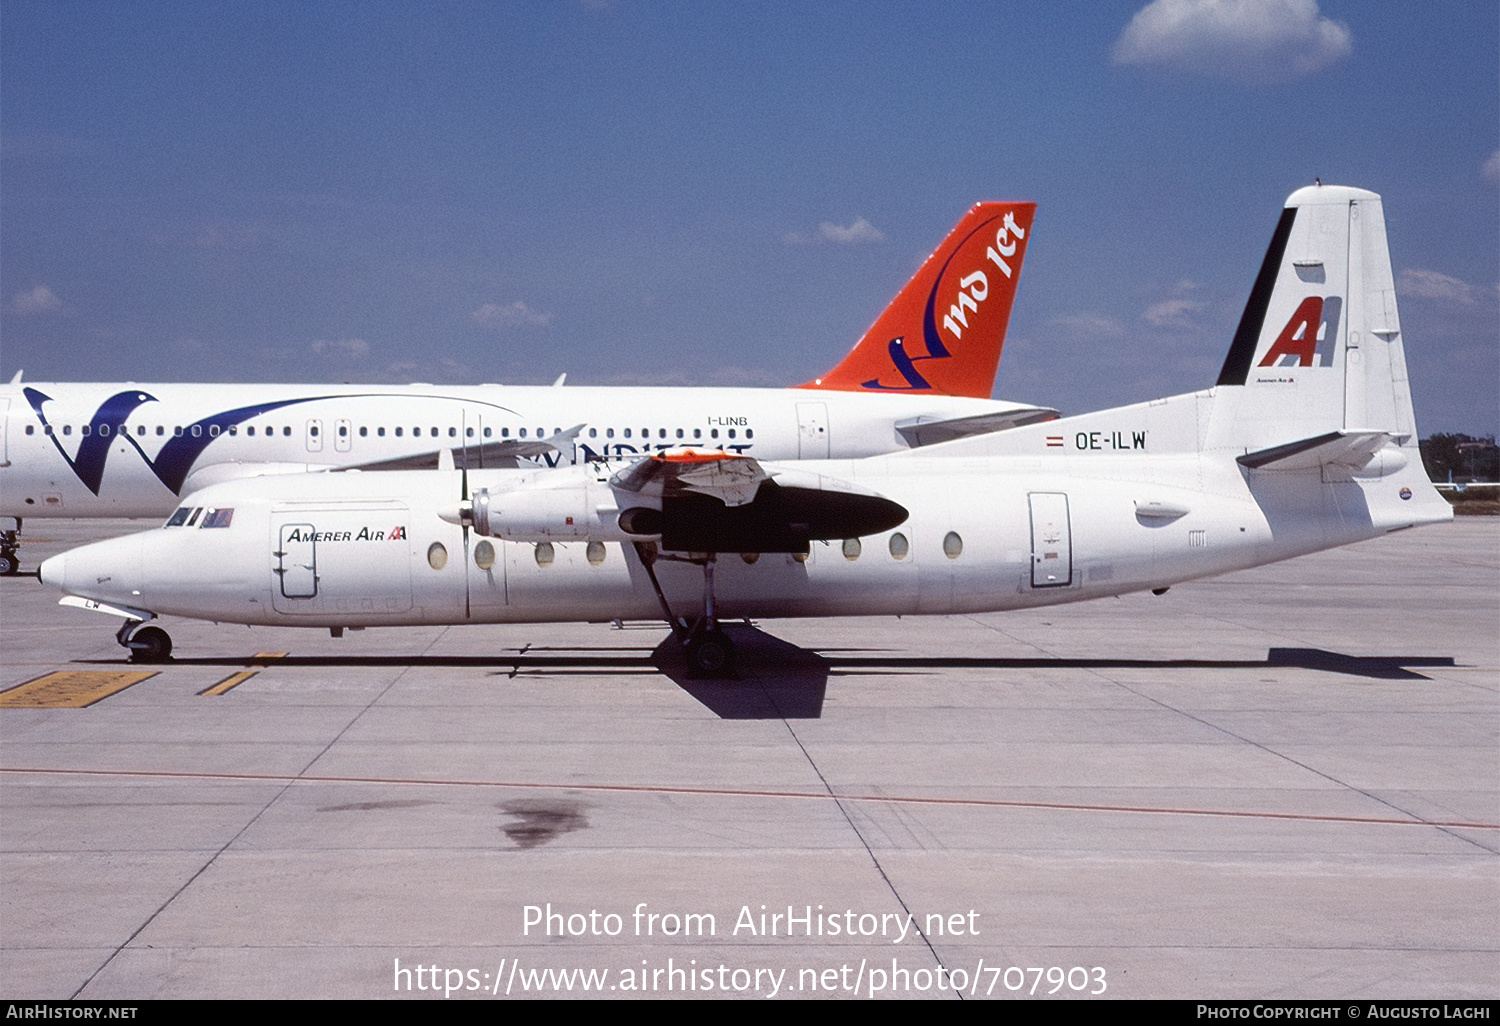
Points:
[(943, 332), (1318, 348)]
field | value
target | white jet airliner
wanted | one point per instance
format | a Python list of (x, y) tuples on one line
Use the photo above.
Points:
[(1306, 442), (922, 373)]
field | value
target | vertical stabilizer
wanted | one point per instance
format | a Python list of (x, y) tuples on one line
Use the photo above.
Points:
[(1318, 348), (944, 331)]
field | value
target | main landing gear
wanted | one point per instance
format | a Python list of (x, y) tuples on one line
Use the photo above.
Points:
[(709, 651), (147, 643)]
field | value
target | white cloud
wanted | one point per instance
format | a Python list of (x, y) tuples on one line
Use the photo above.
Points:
[(1089, 327), (1254, 41), (514, 315), (1492, 167), (1172, 313), (345, 347), (861, 231), (1433, 285), (39, 300)]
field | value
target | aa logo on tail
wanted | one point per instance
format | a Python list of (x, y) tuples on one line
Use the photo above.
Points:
[(1313, 325)]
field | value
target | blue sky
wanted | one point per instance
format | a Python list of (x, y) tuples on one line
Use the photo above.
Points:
[(713, 193)]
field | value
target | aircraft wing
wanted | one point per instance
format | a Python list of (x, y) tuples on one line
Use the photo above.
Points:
[(487, 454), (720, 502), (921, 431), (733, 480)]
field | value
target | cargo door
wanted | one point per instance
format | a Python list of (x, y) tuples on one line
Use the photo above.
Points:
[(352, 560), (1051, 541), (296, 566)]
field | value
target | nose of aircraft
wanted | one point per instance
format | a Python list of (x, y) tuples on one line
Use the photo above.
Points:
[(103, 570)]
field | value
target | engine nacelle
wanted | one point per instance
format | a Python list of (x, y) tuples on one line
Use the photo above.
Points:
[(560, 505)]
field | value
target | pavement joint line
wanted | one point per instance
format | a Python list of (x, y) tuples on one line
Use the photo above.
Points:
[(986, 803)]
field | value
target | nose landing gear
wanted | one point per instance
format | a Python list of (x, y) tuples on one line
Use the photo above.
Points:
[(147, 644), (10, 547)]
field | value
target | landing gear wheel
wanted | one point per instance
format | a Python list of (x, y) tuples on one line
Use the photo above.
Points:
[(9, 563), (711, 654), (150, 645)]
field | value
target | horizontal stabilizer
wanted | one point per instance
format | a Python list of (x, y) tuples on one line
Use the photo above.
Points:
[(921, 431), (1350, 450)]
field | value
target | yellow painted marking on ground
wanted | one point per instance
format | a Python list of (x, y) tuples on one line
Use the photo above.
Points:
[(70, 689), (234, 680)]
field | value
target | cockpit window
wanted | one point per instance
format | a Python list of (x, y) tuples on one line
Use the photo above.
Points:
[(217, 518), (180, 517), (193, 516)]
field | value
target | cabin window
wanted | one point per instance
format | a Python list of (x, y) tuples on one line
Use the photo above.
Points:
[(595, 553), (47, 429), (380, 432), (852, 549), (486, 432), (250, 431), (364, 432), (437, 556), (312, 429), (609, 432), (953, 545), (679, 432), (593, 432), (468, 432), (218, 518), (627, 432), (398, 432), (233, 430), (31, 429), (523, 432), (545, 554), (67, 429), (104, 429), (749, 433), (213, 431), (453, 432), (899, 545), (697, 432), (287, 431), (160, 431), (85, 429), (484, 555)]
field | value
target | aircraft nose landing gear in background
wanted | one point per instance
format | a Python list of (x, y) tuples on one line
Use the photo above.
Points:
[(10, 546)]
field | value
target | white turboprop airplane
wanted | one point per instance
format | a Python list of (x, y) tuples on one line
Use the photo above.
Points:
[(922, 373), (1306, 442)]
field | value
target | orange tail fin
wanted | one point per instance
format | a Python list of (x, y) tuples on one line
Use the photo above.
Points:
[(943, 332)]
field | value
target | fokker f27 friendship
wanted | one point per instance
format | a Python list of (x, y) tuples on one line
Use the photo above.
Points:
[(1307, 441), (923, 372)]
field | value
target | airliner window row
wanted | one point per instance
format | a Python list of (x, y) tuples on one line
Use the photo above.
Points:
[(214, 431)]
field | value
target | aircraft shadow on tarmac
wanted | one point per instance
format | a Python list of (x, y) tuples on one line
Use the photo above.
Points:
[(775, 679)]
